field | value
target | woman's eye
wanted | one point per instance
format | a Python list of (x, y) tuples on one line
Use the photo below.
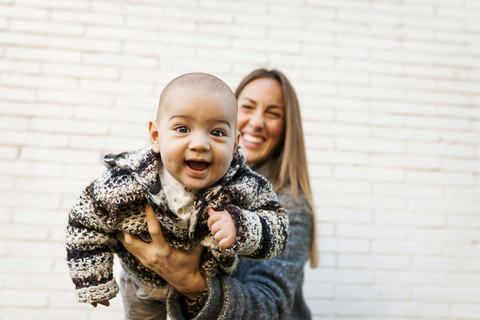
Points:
[(274, 114), (247, 107), (218, 133), (182, 129)]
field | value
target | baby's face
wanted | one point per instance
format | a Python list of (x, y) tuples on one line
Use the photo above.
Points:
[(196, 136)]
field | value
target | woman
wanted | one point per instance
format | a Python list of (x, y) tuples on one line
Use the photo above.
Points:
[(271, 135)]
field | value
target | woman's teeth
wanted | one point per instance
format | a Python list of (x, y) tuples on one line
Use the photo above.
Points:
[(252, 139)]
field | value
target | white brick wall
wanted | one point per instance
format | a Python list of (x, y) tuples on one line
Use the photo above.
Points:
[(391, 105)]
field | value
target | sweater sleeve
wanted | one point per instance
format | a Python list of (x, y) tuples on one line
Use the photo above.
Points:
[(88, 239), (262, 227), (270, 289)]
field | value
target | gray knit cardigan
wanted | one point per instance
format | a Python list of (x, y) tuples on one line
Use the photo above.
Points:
[(116, 200), (261, 290)]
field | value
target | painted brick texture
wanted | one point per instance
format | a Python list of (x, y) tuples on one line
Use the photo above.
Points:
[(390, 100)]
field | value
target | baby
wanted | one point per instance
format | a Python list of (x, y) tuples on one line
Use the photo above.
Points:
[(194, 165)]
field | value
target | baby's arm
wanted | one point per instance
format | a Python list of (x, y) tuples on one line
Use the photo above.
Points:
[(222, 227), (88, 241)]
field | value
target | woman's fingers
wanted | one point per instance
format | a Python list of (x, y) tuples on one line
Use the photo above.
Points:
[(133, 244), (154, 227)]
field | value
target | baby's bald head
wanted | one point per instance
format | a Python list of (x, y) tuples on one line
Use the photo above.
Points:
[(202, 82)]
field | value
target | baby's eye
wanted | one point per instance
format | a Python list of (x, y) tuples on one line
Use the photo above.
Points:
[(182, 129), (218, 133)]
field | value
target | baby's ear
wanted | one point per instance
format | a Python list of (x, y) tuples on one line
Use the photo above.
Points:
[(153, 134)]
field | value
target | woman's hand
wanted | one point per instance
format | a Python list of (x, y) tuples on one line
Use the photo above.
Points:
[(181, 269)]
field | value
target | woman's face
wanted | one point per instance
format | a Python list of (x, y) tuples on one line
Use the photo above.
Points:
[(261, 119)]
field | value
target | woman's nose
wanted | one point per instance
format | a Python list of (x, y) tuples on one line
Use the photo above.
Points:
[(257, 121)]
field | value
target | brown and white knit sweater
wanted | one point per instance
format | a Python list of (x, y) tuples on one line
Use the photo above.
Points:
[(116, 200)]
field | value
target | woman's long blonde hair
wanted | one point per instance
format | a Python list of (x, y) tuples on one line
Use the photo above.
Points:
[(288, 164)]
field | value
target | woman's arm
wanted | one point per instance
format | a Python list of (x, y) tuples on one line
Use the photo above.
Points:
[(260, 289)]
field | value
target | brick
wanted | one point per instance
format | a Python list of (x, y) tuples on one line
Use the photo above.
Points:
[(46, 27), (415, 278), (441, 178), (8, 153), (335, 51), (327, 276), (150, 23), (403, 247), (406, 161), (7, 184), (37, 109), (25, 232), (472, 166), (441, 149), (36, 82), (353, 187), (105, 59), (67, 126), (463, 222), (376, 262), (22, 298), (37, 201), (87, 17), (111, 87), (43, 54), (410, 219), (406, 134), (408, 190), (38, 249), (58, 186), (26, 265), (465, 310), (344, 245), (10, 65), (170, 50), (21, 39), (365, 173), (27, 12), (37, 139), (59, 155), (95, 72), (458, 124), (30, 169), (44, 217), (316, 290), (446, 264), (74, 97), (84, 44), (113, 143), (81, 171), (125, 115), (461, 137), (412, 309), (463, 207), (18, 95), (369, 232), (352, 215)]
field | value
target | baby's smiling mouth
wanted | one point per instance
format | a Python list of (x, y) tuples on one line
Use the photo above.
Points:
[(197, 165)]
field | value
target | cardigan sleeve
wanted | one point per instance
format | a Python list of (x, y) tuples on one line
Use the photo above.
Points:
[(88, 239), (262, 226), (270, 289)]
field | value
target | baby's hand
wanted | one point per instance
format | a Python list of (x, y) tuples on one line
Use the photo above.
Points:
[(106, 303), (222, 227)]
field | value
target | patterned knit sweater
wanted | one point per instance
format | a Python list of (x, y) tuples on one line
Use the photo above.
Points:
[(116, 200)]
